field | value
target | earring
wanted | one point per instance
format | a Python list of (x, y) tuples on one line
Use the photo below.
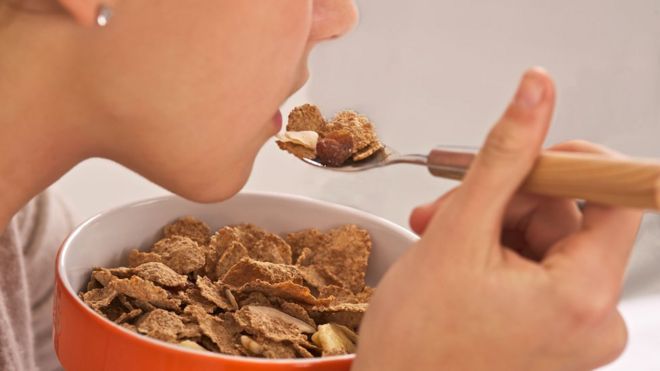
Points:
[(103, 15)]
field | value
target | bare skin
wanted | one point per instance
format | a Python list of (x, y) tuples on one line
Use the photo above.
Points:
[(187, 109), (502, 280), (186, 93)]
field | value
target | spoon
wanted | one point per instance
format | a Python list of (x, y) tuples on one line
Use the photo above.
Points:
[(626, 182)]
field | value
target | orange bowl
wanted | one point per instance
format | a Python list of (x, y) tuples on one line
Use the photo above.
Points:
[(86, 341)]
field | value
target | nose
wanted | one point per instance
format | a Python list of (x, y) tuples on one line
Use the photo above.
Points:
[(332, 19)]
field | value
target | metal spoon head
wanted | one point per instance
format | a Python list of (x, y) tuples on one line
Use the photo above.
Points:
[(380, 158)]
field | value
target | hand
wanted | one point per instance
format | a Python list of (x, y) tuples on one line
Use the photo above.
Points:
[(502, 280)]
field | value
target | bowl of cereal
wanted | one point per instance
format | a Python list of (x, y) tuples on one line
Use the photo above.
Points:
[(258, 282)]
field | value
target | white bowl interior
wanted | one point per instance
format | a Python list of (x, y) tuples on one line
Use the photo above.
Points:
[(104, 240)]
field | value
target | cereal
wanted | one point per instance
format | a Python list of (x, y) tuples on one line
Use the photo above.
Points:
[(334, 339), (127, 316), (335, 148), (141, 289), (161, 274), (242, 290), (365, 296), (302, 351), (307, 117), (287, 290), (344, 295), (232, 243), (191, 345), (193, 295), (297, 150), (248, 270), (145, 306), (102, 276), (260, 244), (301, 240), (214, 327), (340, 294), (212, 293), (301, 144), (232, 255), (190, 330), (180, 253), (344, 254), (189, 227), (348, 136), (231, 298), (358, 126), (254, 298), (272, 324), (318, 276), (259, 346), (136, 258), (251, 346), (99, 298), (347, 314), (160, 324), (306, 138), (297, 311), (367, 151)]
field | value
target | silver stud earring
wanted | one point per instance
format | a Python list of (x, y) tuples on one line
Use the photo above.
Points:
[(103, 15)]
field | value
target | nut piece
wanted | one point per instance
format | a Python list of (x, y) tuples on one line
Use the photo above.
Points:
[(251, 345), (307, 138), (191, 345), (334, 339)]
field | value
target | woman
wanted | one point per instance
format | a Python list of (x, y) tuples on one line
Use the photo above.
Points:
[(185, 94)]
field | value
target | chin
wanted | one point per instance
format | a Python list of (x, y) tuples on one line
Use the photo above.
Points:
[(220, 187)]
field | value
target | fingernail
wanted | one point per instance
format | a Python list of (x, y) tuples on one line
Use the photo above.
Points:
[(531, 91)]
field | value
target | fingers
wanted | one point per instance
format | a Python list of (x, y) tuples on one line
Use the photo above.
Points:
[(421, 215), (533, 224), (584, 146), (612, 232), (511, 147), (615, 227), (600, 250), (507, 156)]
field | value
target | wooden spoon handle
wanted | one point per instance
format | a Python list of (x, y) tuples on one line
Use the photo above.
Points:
[(612, 181)]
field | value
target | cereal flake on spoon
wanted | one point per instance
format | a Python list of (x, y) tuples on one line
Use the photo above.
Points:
[(349, 136)]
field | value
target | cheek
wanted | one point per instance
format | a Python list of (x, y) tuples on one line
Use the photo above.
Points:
[(211, 64), (200, 81)]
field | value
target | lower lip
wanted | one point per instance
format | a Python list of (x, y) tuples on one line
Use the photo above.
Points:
[(277, 120)]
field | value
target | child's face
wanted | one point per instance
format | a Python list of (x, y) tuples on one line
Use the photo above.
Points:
[(189, 90)]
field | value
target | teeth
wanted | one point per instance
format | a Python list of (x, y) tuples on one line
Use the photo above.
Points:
[(307, 138)]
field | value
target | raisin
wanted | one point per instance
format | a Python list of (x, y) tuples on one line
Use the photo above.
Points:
[(335, 148)]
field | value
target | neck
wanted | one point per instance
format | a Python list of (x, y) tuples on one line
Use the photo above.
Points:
[(43, 131)]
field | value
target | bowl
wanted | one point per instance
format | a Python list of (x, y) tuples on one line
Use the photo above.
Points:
[(84, 340)]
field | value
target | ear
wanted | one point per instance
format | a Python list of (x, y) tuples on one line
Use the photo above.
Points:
[(84, 11)]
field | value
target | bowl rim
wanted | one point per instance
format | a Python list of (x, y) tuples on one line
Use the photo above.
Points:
[(66, 246)]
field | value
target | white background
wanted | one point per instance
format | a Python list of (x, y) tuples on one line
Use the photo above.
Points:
[(439, 73)]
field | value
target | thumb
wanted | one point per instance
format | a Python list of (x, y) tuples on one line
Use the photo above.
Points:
[(509, 151)]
